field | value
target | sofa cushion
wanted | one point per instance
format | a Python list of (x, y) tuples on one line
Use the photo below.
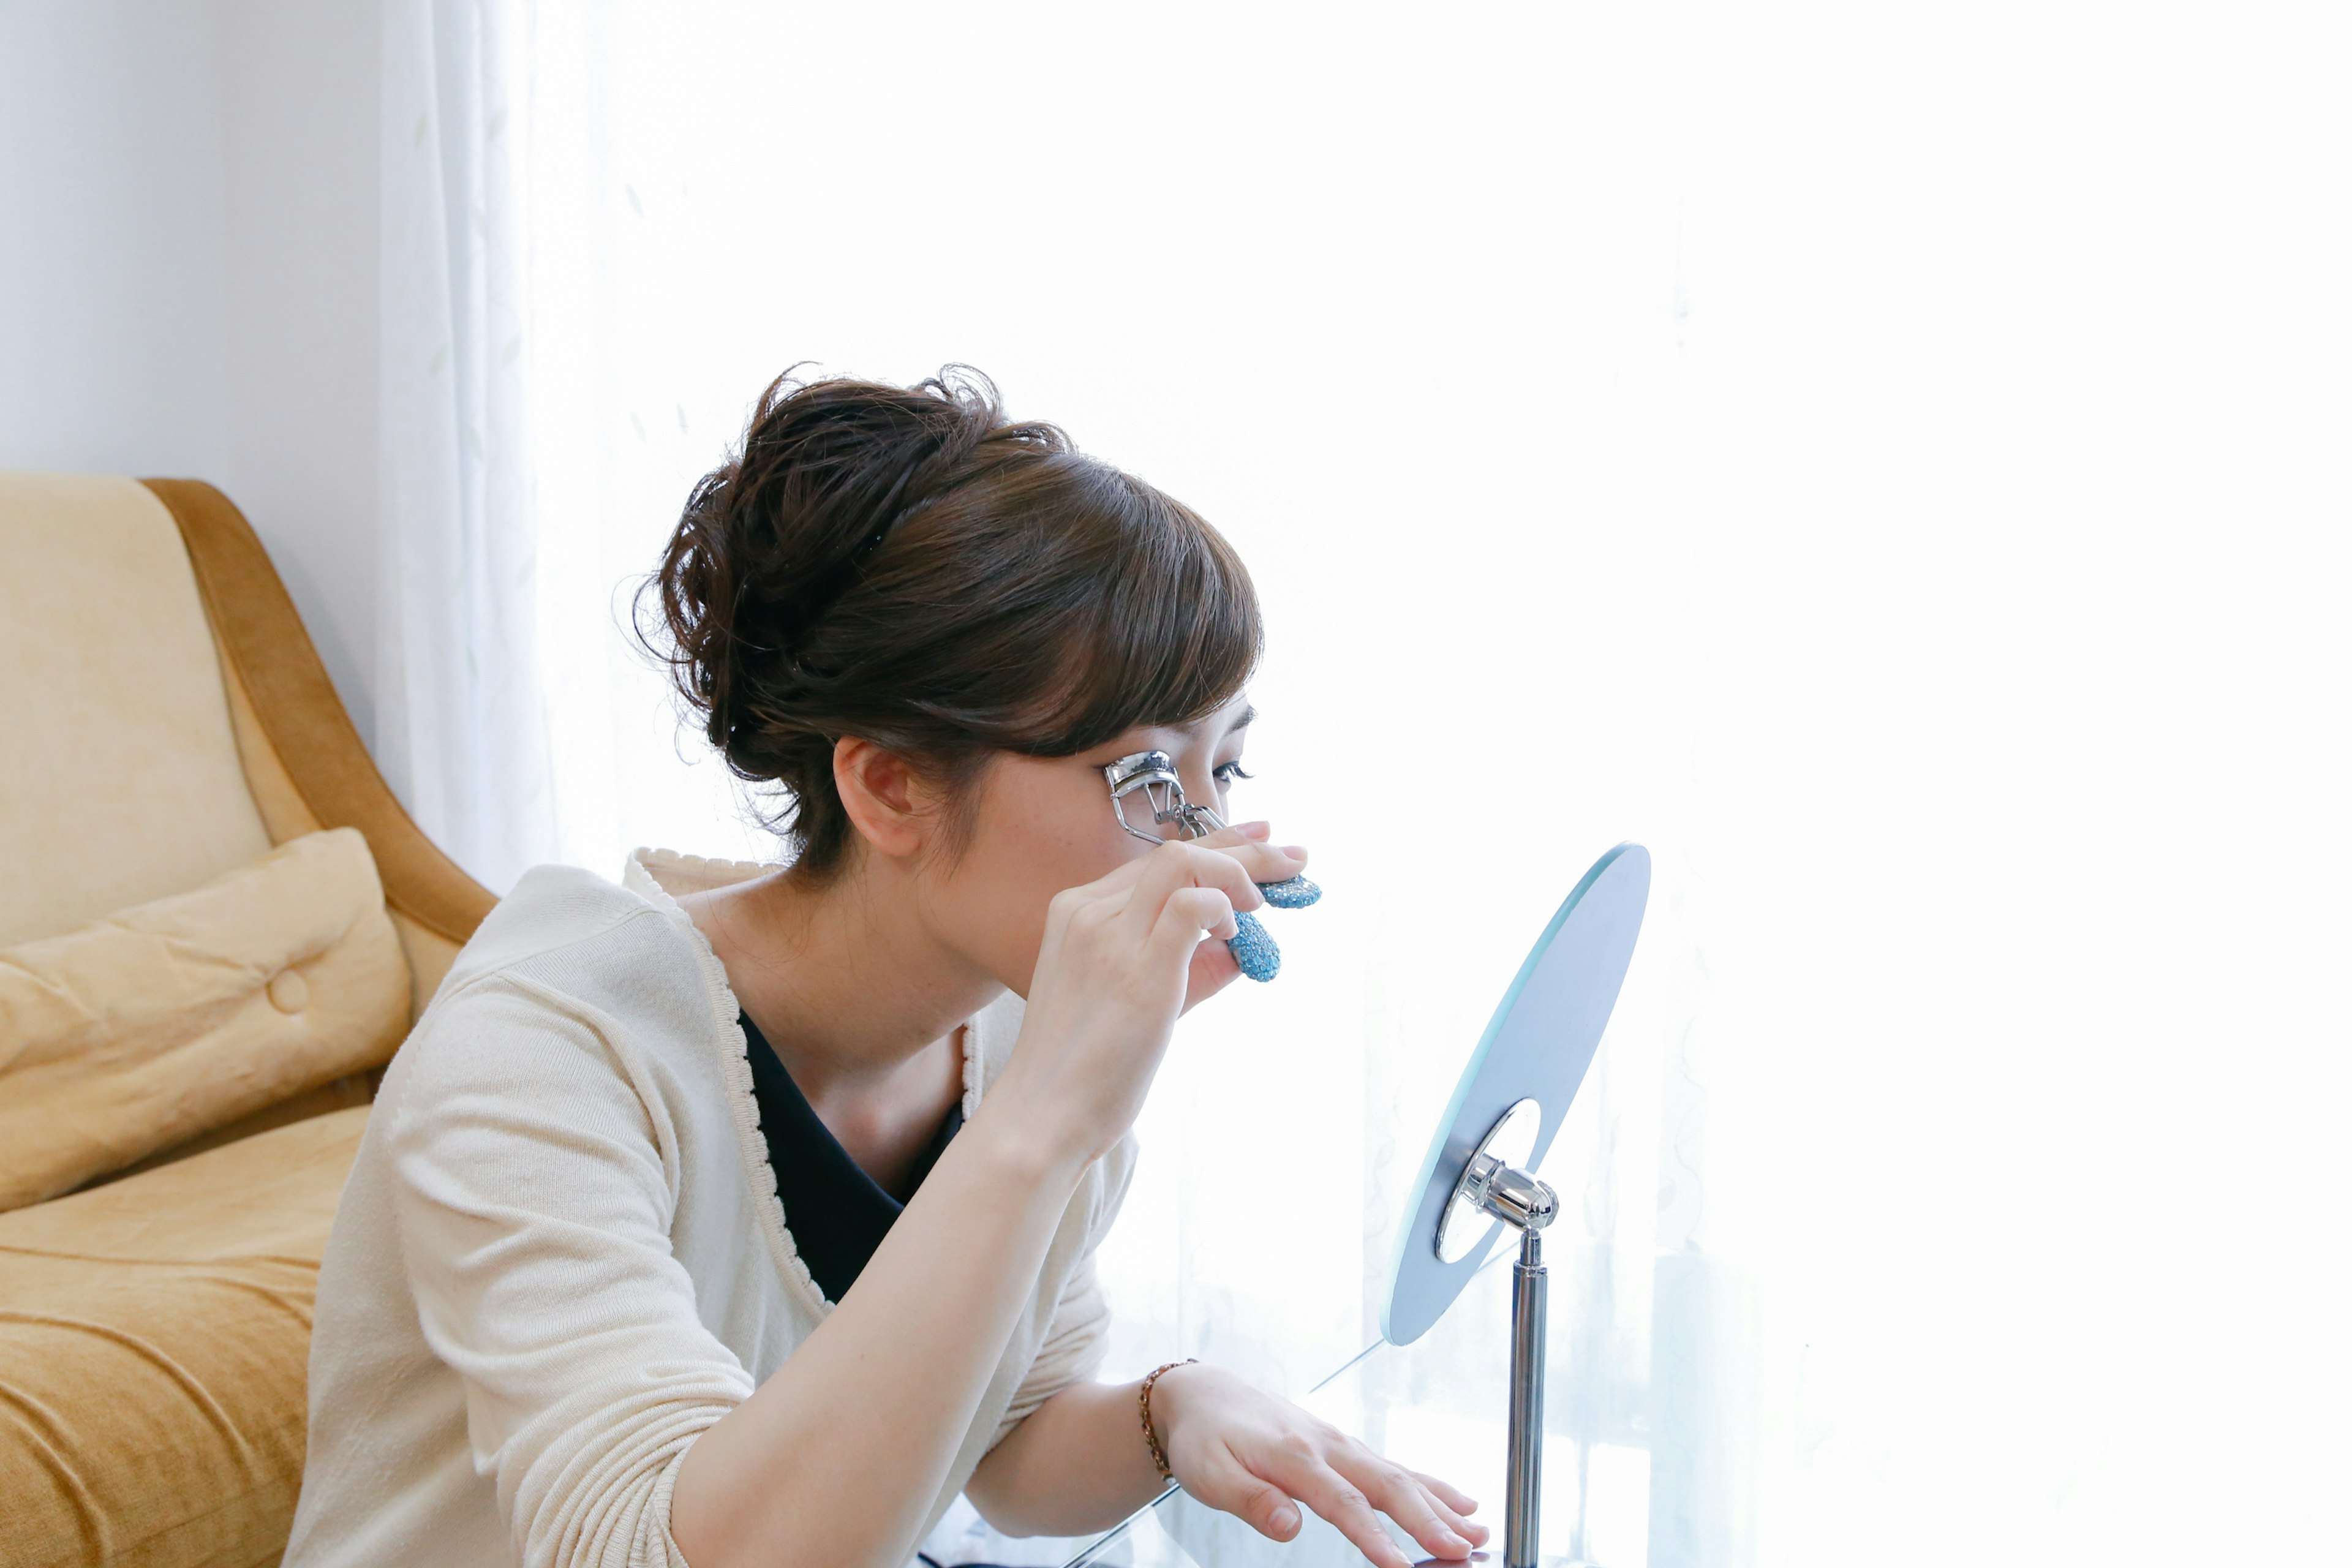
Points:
[(144, 1030), (154, 1345), (119, 777)]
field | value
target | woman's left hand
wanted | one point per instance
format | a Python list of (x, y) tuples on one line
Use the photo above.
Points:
[(1237, 1447)]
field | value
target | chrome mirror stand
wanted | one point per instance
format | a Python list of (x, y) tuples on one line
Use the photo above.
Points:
[(1515, 1092), (1493, 1187)]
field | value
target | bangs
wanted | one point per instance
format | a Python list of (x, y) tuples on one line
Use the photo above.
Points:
[(1108, 606), (1173, 632)]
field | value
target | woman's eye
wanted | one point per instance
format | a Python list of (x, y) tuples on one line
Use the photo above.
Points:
[(1228, 773)]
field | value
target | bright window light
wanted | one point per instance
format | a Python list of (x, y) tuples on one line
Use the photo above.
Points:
[(1888, 461)]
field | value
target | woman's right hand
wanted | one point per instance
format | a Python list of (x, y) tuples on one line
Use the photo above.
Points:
[(1112, 975), (1214, 967)]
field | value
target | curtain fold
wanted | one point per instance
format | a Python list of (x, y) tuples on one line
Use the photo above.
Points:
[(460, 730)]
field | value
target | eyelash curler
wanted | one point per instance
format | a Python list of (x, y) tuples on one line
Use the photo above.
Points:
[(1152, 776)]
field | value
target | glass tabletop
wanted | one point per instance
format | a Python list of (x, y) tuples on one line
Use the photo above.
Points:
[(1616, 1490), (1419, 1405)]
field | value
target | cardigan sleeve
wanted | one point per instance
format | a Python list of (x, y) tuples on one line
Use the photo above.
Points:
[(1079, 1331), (534, 1175), (1073, 1348)]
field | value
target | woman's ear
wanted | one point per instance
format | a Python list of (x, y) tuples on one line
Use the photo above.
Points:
[(886, 801)]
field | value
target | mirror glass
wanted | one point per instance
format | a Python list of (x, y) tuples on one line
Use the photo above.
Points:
[(1537, 1046)]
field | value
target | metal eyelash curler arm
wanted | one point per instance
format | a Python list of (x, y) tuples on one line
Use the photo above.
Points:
[(1152, 776)]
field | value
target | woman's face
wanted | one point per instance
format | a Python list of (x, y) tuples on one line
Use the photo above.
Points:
[(1040, 825)]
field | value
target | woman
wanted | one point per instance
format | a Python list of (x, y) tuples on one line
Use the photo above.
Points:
[(745, 1216)]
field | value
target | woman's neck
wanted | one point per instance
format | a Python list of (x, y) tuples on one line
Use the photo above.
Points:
[(846, 983)]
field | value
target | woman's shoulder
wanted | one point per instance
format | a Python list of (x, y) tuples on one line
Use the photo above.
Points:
[(555, 907), (570, 978), (569, 941)]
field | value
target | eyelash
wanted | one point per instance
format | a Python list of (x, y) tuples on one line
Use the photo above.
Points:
[(1229, 772)]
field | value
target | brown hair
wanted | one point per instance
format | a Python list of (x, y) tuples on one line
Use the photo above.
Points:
[(906, 566)]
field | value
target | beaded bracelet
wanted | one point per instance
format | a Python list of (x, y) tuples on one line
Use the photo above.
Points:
[(1143, 1408)]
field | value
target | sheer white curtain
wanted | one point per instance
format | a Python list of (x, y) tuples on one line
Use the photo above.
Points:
[(461, 731), (1888, 463)]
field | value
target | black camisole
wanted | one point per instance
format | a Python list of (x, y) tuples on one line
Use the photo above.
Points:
[(837, 1213)]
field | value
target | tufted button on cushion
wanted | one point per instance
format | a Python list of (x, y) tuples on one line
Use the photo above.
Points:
[(289, 992), (154, 1026)]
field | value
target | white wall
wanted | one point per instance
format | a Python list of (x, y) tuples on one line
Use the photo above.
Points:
[(112, 297), (187, 271)]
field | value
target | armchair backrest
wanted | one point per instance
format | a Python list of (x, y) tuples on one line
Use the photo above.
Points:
[(120, 778), (165, 717)]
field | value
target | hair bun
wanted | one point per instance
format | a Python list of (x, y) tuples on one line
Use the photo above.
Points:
[(907, 565), (827, 470)]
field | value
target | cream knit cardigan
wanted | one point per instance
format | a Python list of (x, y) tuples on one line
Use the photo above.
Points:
[(561, 1254)]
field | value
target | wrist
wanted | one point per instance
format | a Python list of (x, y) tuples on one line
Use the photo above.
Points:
[(1051, 1129), (1174, 1393), (1018, 1156)]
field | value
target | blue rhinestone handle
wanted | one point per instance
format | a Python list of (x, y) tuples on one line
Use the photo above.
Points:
[(1294, 894), (1252, 946), (1253, 949)]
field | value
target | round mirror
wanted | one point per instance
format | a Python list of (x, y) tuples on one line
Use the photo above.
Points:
[(1536, 1050)]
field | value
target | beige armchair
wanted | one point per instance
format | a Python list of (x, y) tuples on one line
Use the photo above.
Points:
[(164, 719)]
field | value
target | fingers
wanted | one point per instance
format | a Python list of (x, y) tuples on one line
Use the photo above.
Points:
[(1441, 1531), (1150, 876), (1063, 907), (1240, 1449), (1139, 890), (1213, 969), (1453, 1497), (1239, 832), (1398, 1493), (1353, 1487), (1189, 915), (1349, 1510), (1469, 1529), (1246, 842), (1265, 862), (1220, 1480), (1175, 868)]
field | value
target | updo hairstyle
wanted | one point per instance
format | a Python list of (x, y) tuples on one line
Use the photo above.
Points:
[(906, 566)]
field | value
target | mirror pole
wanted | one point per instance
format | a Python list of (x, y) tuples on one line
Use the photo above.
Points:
[(1522, 1508)]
